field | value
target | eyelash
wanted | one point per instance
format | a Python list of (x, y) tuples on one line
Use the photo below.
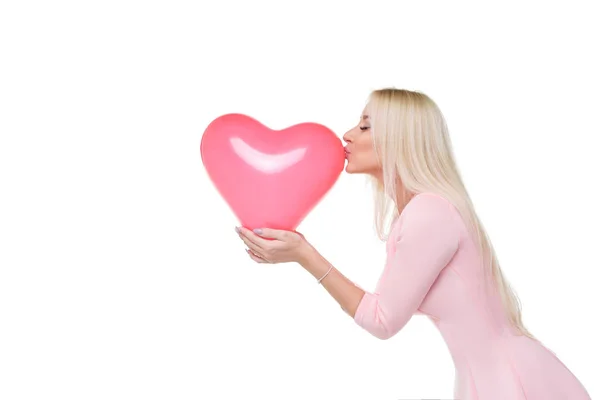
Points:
[(364, 128)]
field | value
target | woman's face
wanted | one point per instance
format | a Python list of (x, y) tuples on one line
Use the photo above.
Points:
[(360, 152)]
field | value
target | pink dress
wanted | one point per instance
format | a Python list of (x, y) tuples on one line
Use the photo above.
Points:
[(432, 268)]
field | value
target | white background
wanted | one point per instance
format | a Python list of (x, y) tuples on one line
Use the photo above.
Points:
[(121, 276)]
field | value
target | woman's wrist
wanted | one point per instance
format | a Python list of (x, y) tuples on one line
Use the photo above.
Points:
[(345, 292), (313, 262), (306, 255)]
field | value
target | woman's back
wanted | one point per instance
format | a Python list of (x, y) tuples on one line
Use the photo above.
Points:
[(433, 268)]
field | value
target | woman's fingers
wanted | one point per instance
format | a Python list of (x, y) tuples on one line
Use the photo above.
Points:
[(252, 246), (255, 257), (256, 249), (257, 240)]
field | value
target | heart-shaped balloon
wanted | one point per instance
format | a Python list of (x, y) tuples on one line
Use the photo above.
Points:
[(270, 178)]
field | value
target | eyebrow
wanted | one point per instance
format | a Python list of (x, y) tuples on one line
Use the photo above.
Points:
[(365, 117)]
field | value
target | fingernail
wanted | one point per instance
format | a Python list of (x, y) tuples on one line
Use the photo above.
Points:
[(237, 229), (258, 231)]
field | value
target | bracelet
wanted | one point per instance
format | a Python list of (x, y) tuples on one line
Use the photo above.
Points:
[(326, 273)]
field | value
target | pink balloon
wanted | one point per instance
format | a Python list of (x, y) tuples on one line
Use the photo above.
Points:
[(269, 178)]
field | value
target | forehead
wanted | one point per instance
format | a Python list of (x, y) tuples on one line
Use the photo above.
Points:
[(365, 113)]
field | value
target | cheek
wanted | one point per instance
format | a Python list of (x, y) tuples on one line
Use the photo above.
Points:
[(364, 144), (368, 157), (366, 150)]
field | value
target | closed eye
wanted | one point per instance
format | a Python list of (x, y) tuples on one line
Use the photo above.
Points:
[(364, 128)]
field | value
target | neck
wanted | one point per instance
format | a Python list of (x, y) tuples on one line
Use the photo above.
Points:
[(399, 188)]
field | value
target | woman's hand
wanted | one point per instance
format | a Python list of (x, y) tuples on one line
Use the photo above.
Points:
[(285, 246)]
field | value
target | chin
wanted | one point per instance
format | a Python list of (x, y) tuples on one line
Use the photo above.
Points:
[(350, 170)]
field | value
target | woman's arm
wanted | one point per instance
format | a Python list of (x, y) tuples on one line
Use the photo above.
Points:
[(425, 242), (344, 291)]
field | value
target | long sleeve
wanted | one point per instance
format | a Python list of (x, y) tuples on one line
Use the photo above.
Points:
[(423, 243)]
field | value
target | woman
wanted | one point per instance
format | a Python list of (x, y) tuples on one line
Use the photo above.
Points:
[(440, 262)]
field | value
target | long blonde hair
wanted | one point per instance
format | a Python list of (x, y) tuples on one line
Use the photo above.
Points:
[(412, 143)]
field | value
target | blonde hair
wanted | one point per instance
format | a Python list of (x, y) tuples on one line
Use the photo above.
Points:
[(412, 143)]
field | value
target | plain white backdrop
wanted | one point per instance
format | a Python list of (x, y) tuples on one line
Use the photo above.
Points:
[(121, 276)]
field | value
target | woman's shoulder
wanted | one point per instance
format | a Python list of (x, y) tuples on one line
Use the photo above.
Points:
[(424, 208), (427, 204)]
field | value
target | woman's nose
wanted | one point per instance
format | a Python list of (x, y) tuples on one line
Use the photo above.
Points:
[(347, 137)]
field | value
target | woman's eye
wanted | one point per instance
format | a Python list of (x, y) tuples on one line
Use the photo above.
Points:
[(364, 128)]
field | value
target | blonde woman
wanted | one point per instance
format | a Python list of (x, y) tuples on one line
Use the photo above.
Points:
[(440, 262)]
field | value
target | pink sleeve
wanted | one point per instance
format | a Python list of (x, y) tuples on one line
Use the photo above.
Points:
[(425, 241)]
